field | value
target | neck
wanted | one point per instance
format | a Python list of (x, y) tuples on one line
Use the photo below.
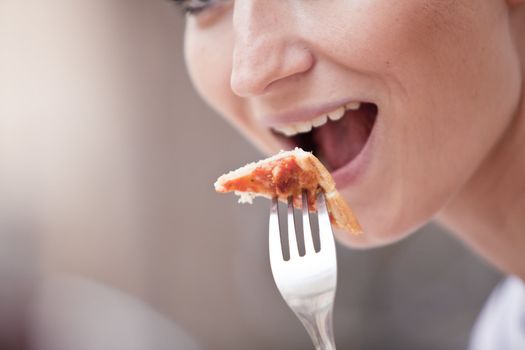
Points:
[(489, 212)]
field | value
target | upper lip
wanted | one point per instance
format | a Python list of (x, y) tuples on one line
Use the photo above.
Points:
[(303, 114)]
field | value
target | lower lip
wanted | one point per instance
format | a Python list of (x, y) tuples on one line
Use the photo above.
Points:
[(352, 172)]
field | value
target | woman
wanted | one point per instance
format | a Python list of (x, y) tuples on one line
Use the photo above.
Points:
[(427, 101)]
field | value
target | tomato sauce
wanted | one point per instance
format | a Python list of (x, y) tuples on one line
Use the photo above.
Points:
[(282, 178)]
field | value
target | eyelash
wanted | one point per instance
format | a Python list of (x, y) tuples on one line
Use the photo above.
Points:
[(194, 7)]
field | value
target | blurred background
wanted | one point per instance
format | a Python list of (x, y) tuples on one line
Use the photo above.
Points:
[(111, 236)]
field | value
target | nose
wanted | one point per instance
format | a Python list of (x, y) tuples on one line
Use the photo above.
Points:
[(267, 47)]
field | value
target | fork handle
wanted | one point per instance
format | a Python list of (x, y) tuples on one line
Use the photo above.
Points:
[(319, 327)]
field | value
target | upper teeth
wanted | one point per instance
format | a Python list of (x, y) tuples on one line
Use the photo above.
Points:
[(306, 126)]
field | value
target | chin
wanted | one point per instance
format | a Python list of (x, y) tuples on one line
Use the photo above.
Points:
[(369, 239), (381, 230)]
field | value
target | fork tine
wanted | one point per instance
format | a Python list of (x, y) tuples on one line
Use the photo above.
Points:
[(326, 235), (307, 230), (292, 237), (276, 250)]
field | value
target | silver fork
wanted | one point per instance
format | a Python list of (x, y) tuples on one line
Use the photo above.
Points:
[(307, 283)]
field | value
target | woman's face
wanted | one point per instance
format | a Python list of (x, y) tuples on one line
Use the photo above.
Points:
[(430, 86)]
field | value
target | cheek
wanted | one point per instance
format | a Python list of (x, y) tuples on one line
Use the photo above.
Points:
[(454, 81), (462, 89), (208, 56), (378, 36)]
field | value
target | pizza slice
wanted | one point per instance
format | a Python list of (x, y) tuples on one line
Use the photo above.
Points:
[(289, 174)]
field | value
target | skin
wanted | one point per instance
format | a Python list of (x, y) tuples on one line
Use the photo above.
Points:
[(447, 77)]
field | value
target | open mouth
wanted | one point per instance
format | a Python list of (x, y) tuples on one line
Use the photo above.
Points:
[(336, 138)]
